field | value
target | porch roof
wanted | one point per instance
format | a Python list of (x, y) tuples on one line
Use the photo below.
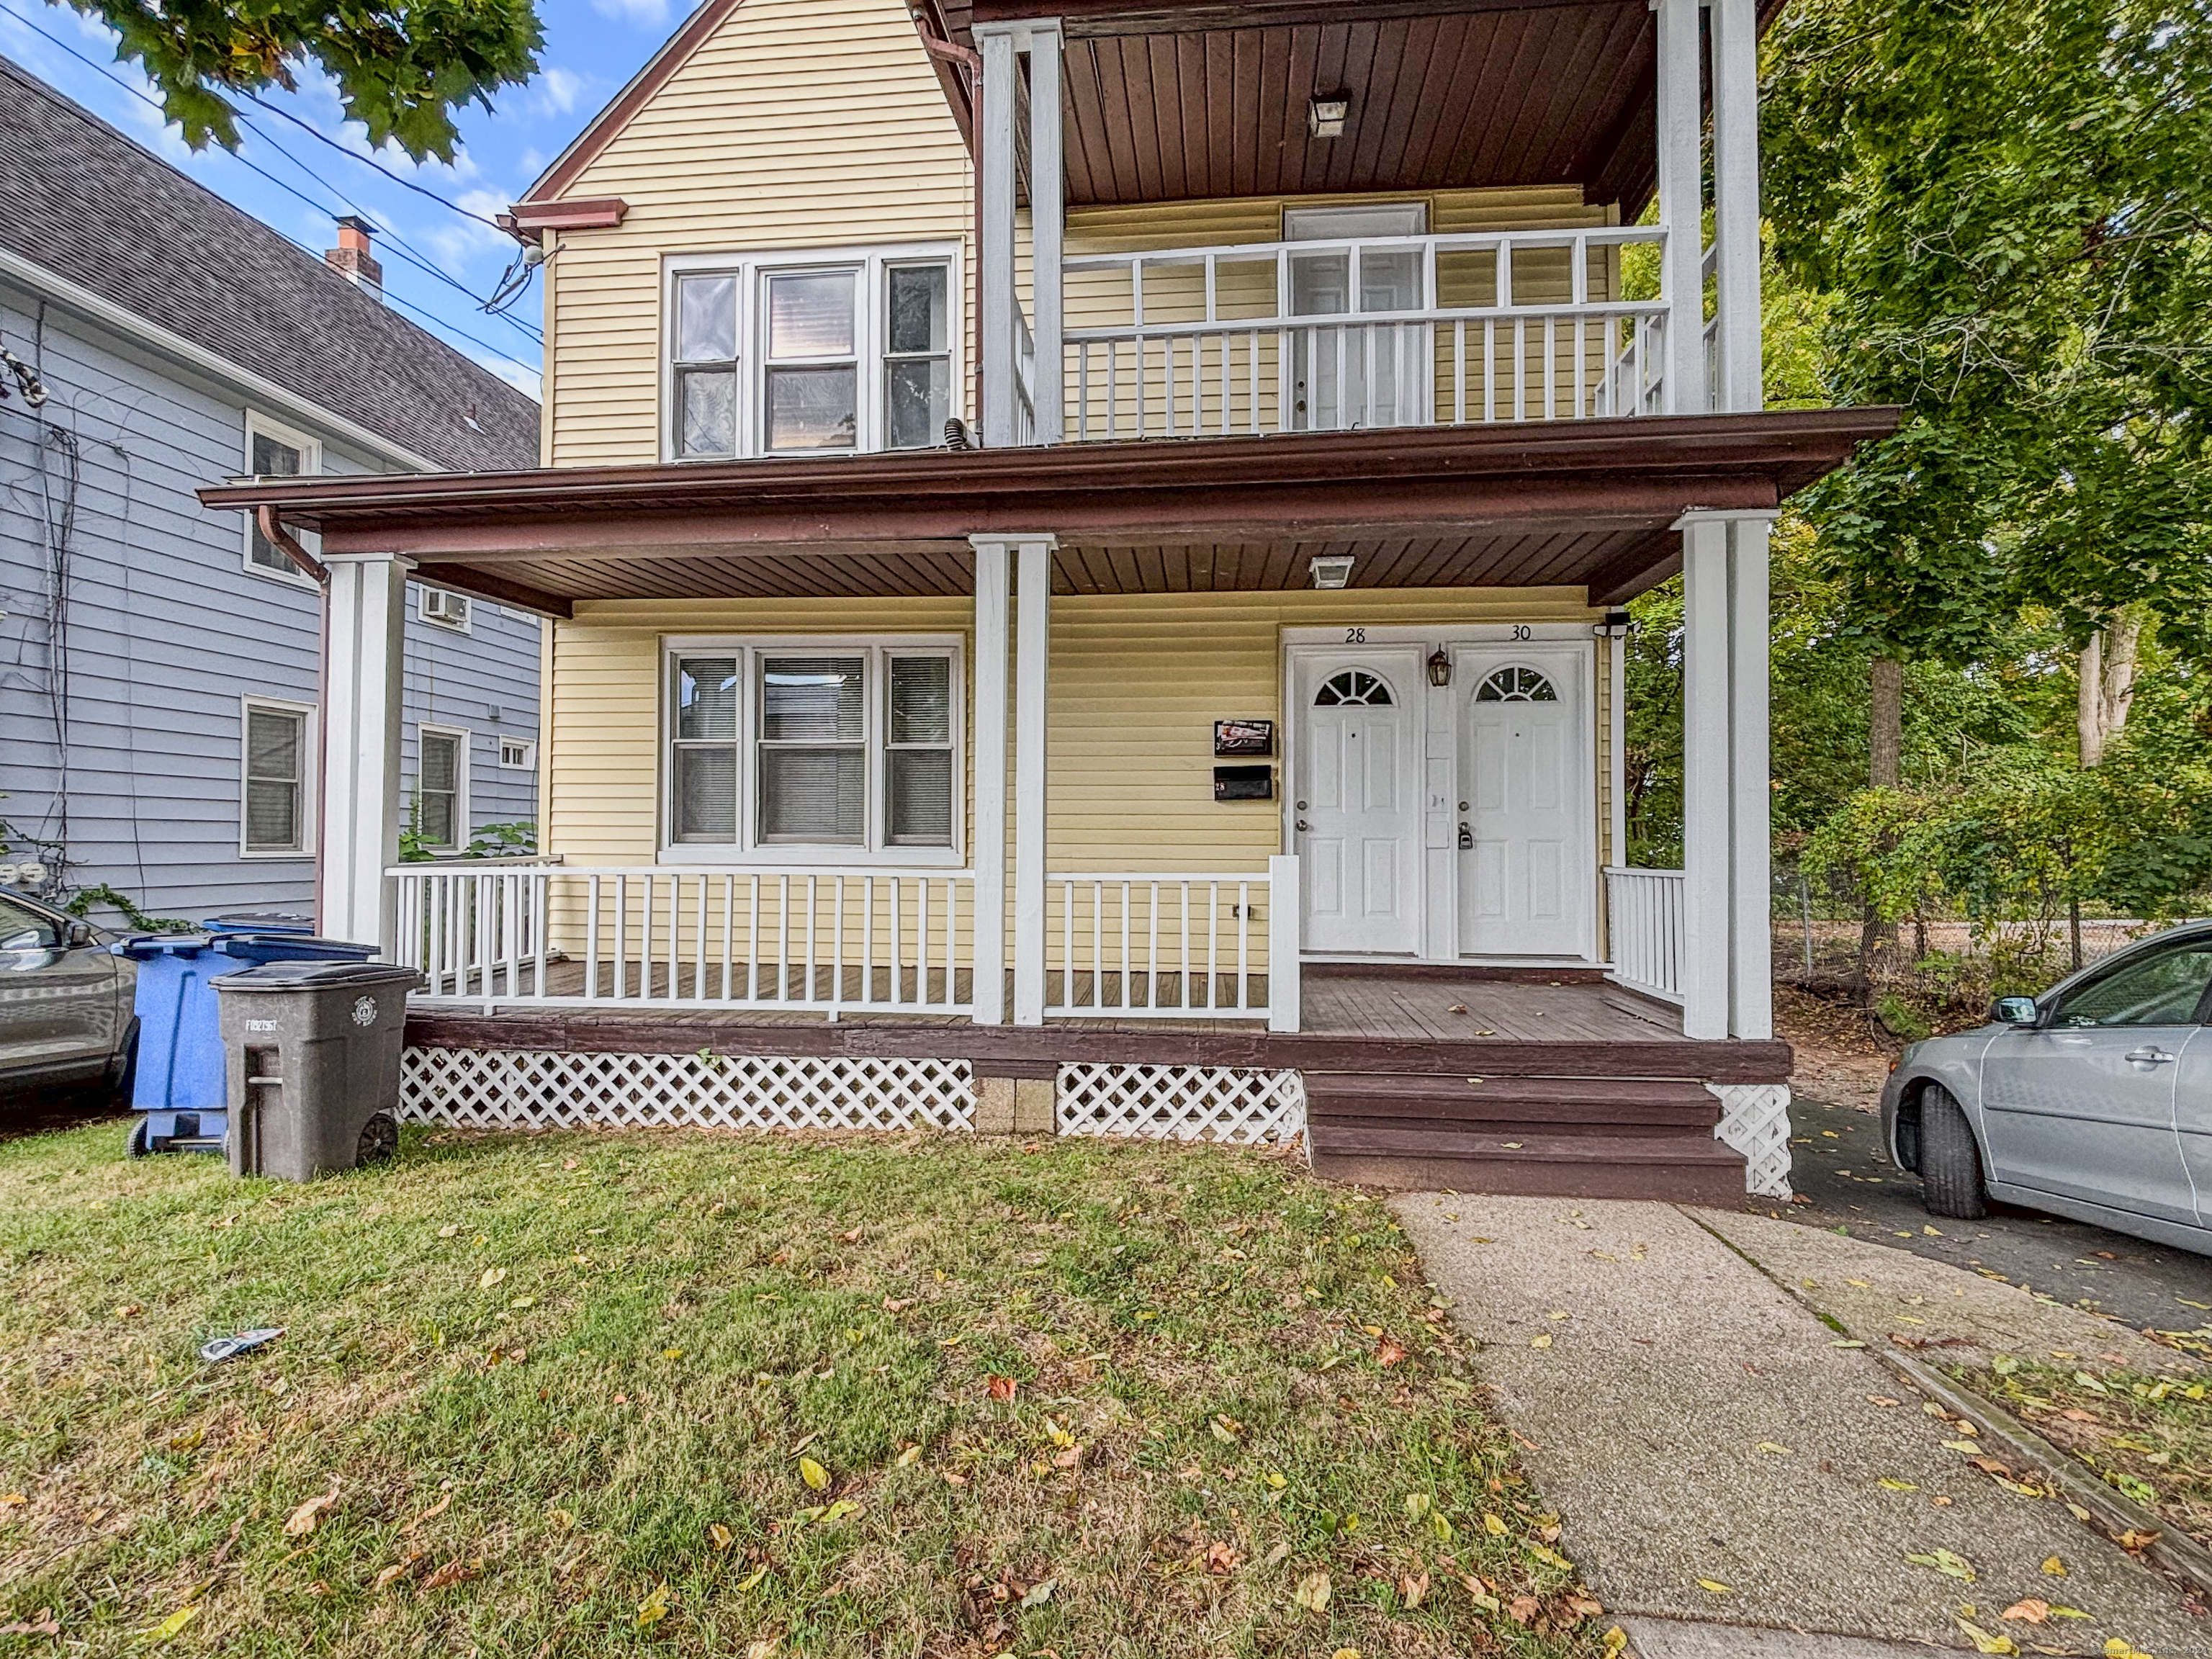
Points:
[(1581, 504)]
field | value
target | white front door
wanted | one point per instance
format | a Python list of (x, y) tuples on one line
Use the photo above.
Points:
[(1358, 811), (1525, 873)]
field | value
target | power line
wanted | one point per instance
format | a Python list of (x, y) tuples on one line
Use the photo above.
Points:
[(397, 245), (317, 133)]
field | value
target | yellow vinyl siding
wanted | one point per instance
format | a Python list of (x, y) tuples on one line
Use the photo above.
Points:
[(800, 124)]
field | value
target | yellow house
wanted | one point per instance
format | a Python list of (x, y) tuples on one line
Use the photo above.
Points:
[(1086, 546)]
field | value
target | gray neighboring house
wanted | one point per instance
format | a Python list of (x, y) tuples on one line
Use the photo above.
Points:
[(158, 717)]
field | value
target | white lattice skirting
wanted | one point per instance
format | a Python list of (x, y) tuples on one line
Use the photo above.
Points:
[(1755, 1121), (1181, 1102), (540, 1089)]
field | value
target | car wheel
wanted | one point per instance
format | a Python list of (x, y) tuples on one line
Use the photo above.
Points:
[(121, 1079), (1950, 1161), (140, 1142), (379, 1140)]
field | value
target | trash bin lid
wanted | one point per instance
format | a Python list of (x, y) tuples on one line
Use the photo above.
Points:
[(318, 976), (143, 946), (258, 922), (291, 947)]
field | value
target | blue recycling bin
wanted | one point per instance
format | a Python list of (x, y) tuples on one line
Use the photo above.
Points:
[(181, 1094)]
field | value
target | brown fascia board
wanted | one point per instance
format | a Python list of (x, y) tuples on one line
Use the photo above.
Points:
[(697, 29), (525, 221), (1306, 485), (1080, 18)]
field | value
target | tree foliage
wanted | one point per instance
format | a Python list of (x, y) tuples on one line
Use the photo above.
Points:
[(2007, 211), (402, 68)]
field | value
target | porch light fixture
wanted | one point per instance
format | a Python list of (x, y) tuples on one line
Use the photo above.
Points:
[(1326, 113), (1440, 668), (1615, 625), (1330, 569)]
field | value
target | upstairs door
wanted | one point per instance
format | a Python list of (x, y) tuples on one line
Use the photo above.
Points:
[(1350, 374), (1356, 825), (1526, 867)]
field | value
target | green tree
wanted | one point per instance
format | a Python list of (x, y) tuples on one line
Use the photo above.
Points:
[(401, 68)]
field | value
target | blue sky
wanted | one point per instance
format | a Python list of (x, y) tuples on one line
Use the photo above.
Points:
[(591, 47)]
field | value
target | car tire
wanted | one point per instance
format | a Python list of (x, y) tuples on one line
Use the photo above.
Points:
[(1950, 1160), (379, 1140)]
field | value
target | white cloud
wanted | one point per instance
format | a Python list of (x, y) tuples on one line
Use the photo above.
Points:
[(639, 12), (557, 90)]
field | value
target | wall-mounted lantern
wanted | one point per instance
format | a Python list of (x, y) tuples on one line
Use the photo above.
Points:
[(1440, 668)]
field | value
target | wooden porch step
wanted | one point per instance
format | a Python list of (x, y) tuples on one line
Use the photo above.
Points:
[(1673, 1167), (1554, 1106)]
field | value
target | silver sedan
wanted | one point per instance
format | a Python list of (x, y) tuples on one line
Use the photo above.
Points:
[(65, 1005), (2093, 1100)]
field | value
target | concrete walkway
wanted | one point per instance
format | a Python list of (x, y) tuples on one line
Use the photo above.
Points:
[(1717, 1459)]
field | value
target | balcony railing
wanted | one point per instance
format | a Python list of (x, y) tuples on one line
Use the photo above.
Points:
[(1645, 910), (1174, 946), (822, 940), (1385, 331)]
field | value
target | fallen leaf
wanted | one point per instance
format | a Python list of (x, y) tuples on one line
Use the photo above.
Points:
[(399, 1569), (1226, 1429), (720, 1534), (653, 1608), (1038, 1595), (813, 1475), (2054, 1566), (1715, 1586), (2027, 1612), (1524, 1609), (1312, 1593), (489, 1277), (1984, 1642), (1483, 1598), (430, 1514), (911, 1455), (1543, 1341), (302, 1520), (1946, 1562), (175, 1622), (1001, 1387), (44, 1625), (1899, 1485), (1388, 1353), (1413, 1587), (1769, 1446), (2134, 1538), (452, 1573), (1493, 1525)]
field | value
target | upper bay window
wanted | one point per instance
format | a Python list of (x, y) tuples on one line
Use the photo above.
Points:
[(811, 750), (799, 355)]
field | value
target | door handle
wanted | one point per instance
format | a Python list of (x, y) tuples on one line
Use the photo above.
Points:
[(2150, 1057)]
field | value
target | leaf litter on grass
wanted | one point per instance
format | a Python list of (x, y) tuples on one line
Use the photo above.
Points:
[(1210, 1424)]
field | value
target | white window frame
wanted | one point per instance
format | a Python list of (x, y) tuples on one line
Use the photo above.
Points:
[(311, 464), (310, 774), (529, 760), (871, 337), (875, 849), (468, 622), (464, 819)]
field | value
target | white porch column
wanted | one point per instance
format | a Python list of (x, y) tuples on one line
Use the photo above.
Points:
[(1047, 192), (1750, 965), (1033, 650), (987, 856), (1727, 967), (365, 610), (1735, 203), (996, 165), (1681, 202)]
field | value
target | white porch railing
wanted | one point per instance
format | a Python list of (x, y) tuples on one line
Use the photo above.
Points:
[(1644, 910), (825, 941), (1173, 945), (1240, 339)]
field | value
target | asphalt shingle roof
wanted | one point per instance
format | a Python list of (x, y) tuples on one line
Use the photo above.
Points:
[(91, 205)]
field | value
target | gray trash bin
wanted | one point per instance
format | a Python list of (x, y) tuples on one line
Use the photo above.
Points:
[(313, 1053)]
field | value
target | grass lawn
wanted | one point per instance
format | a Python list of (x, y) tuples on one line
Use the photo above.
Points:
[(594, 1394), (2149, 1437)]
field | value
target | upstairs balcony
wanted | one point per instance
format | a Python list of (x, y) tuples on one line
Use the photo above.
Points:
[(1361, 291)]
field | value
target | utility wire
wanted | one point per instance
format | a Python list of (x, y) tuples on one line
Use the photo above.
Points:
[(397, 244), (317, 133)]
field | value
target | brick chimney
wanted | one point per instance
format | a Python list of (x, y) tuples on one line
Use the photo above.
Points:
[(352, 260)]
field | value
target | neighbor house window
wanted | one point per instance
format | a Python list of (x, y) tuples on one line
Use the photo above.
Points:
[(273, 808), (517, 753), (275, 452), (442, 789), (778, 746), (799, 353)]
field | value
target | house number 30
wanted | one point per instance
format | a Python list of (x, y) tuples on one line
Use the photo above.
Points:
[(1520, 630)]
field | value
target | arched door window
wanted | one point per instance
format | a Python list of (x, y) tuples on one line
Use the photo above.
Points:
[(1515, 685), (1353, 688)]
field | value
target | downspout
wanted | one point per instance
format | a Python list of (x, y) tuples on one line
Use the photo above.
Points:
[(929, 24), (273, 528)]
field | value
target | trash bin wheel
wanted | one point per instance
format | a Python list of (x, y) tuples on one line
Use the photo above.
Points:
[(380, 1139), (138, 1145)]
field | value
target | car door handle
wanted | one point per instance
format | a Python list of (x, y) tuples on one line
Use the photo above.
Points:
[(2150, 1057)]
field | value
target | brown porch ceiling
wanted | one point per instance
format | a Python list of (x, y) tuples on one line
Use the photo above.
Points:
[(1581, 503)]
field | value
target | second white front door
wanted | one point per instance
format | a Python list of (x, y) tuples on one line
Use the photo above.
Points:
[(1525, 873), (1357, 815)]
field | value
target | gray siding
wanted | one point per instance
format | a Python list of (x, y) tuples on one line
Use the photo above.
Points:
[(163, 628)]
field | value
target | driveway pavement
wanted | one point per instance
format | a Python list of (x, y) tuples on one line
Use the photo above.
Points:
[(1720, 1456), (1837, 1162)]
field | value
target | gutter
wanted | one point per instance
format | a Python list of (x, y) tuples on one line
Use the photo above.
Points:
[(265, 394)]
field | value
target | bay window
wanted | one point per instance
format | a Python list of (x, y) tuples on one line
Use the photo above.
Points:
[(800, 354), (812, 751)]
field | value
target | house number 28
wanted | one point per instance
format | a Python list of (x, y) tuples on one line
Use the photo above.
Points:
[(1355, 636)]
